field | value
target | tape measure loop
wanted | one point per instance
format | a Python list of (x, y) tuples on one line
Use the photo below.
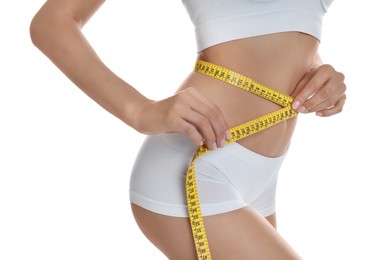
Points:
[(236, 133)]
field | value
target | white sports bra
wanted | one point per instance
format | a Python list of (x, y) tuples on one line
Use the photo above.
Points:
[(218, 21)]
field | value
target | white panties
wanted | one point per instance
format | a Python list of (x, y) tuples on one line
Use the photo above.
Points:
[(227, 179)]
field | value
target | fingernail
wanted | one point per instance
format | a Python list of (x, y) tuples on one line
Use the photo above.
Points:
[(301, 109), (296, 104), (319, 114), (228, 136), (214, 146), (223, 143), (201, 143)]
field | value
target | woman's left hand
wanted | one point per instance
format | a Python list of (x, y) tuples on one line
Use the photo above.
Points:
[(322, 90)]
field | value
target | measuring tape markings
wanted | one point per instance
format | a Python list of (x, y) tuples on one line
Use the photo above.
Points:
[(236, 133)]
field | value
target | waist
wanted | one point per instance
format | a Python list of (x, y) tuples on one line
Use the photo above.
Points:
[(275, 61)]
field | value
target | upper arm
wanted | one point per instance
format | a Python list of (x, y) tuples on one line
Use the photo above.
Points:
[(79, 10)]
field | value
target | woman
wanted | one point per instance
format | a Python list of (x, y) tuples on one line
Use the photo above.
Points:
[(273, 42)]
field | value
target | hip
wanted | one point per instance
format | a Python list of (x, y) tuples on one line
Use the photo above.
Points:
[(227, 179)]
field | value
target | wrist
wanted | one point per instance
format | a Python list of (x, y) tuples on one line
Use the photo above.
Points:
[(134, 114)]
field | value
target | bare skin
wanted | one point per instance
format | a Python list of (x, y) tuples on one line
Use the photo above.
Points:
[(240, 234), (203, 109), (264, 59), (259, 239)]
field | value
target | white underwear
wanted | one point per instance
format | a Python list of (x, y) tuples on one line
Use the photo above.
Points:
[(227, 179)]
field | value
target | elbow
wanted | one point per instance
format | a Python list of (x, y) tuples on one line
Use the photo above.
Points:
[(47, 29), (37, 29)]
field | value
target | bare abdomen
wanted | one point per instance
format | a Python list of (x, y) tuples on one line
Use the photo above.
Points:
[(279, 61)]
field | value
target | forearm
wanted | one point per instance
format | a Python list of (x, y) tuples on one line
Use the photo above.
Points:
[(60, 38)]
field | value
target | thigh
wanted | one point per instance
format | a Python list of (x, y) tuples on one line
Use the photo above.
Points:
[(171, 235), (245, 234), (239, 234)]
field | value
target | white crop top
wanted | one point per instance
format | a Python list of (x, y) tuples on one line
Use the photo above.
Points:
[(218, 21)]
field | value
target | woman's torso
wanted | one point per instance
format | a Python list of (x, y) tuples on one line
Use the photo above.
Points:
[(277, 60)]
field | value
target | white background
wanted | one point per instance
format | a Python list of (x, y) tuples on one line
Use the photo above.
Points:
[(65, 162)]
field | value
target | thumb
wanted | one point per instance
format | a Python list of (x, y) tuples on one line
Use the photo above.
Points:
[(302, 83)]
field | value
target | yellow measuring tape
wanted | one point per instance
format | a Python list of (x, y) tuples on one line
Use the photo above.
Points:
[(237, 133)]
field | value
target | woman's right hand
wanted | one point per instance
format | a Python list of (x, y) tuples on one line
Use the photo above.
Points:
[(186, 112), (56, 31)]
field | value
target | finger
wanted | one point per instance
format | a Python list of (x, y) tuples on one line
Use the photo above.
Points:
[(174, 122), (322, 96), (325, 98), (307, 77), (187, 108), (214, 115), (337, 108), (203, 126), (318, 80), (191, 131)]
